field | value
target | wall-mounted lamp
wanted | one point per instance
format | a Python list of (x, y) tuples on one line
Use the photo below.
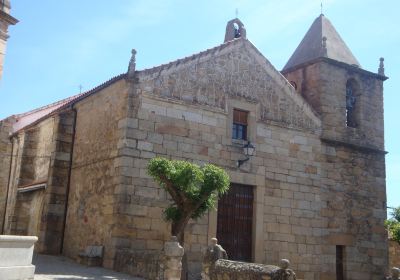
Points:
[(248, 150)]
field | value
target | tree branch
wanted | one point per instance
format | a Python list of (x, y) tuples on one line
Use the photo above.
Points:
[(175, 194)]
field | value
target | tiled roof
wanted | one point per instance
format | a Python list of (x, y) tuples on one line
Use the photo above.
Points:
[(32, 117), (311, 46), (24, 119)]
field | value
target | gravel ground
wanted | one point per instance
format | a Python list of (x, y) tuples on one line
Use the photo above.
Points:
[(61, 268)]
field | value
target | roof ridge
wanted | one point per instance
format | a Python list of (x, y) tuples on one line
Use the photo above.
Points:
[(188, 58), (71, 100), (45, 106), (91, 91)]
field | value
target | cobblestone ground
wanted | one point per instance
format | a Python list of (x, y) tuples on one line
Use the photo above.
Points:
[(61, 268)]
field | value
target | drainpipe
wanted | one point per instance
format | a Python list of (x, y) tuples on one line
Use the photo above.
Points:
[(69, 178), (8, 185)]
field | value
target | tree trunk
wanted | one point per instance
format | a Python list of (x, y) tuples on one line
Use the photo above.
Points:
[(178, 230)]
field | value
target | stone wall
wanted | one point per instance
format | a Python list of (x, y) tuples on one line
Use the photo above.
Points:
[(285, 169), (234, 270), (41, 155), (394, 254), (302, 184), (353, 164), (323, 85), (53, 213), (28, 210), (311, 193), (5, 160), (354, 186), (92, 200), (31, 160)]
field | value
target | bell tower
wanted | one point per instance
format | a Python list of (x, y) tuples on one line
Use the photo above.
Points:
[(348, 98), (234, 30), (5, 20), (349, 101)]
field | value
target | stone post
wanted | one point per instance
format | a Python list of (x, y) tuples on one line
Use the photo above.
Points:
[(173, 253), (213, 253), (284, 272)]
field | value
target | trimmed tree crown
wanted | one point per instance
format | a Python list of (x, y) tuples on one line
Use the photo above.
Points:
[(194, 189)]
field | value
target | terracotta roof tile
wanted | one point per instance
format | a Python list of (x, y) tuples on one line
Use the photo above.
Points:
[(30, 118)]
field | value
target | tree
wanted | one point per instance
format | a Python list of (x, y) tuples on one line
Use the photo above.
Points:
[(393, 225), (193, 189)]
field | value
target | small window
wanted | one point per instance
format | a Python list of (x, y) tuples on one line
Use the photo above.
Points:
[(239, 127), (339, 262), (351, 104)]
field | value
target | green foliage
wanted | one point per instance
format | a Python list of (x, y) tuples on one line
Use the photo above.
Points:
[(396, 214), (193, 188), (393, 225)]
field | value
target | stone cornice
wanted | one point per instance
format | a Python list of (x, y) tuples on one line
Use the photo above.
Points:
[(362, 148), (337, 63), (7, 18)]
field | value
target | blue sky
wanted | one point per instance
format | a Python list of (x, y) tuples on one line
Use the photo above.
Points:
[(59, 45)]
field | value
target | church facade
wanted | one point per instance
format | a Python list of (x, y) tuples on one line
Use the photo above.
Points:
[(313, 192)]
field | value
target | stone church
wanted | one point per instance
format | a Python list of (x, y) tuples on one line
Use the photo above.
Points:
[(313, 191)]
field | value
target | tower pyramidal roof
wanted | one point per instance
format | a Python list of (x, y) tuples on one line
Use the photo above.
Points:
[(321, 40)]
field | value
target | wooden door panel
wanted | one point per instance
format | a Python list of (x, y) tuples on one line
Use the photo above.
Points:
[(235, 222)]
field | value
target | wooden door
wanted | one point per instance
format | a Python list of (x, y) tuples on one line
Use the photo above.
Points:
[(235, 222)]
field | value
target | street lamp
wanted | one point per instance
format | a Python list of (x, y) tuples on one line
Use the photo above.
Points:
[(248, 150)]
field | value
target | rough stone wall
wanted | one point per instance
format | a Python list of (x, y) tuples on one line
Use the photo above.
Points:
[(287, 161), (235, 70), (354, 186), (5, 158), (31, 160), (55, 197), (185, 114), (329, 79), (353, 177), (92, 199), (142, 231), (41, 154), (233, 270), (28, 210), (310, 194), (394, 254)]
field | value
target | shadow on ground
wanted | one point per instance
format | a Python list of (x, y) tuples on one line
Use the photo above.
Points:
[(61, 268)]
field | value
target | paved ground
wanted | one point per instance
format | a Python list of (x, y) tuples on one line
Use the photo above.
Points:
[(61, 268)]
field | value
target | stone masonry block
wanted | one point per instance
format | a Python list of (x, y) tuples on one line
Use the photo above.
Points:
[(145, 146)]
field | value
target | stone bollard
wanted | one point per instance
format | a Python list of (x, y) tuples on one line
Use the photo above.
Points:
[(173, 253), (284, 272), (395, 274), (213, 253)]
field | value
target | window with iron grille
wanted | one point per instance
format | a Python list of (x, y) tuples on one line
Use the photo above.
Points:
[(239, 126)]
